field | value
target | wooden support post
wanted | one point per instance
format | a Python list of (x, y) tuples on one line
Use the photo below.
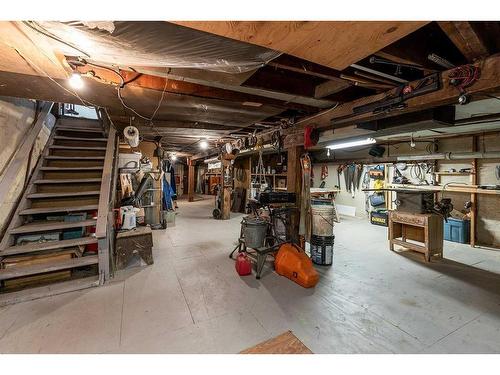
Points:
[(473, 196), (294, 185), (190, 180), (226, 192)]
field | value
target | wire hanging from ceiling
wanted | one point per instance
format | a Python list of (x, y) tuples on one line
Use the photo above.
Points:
[(123, 84)]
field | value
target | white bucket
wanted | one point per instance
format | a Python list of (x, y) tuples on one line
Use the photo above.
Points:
[(322, 220)]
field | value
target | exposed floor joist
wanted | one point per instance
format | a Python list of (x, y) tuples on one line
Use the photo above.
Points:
[(465, 38)]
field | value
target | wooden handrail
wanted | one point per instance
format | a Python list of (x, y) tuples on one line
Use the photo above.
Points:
[(105, 193)]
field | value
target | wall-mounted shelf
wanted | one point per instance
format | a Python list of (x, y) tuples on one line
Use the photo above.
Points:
[(453, 173), (453, 188)]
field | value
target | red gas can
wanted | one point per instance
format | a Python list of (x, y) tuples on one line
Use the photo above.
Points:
[(243, 265)]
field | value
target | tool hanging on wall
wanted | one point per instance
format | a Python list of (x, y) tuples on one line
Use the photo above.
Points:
[(305, 202), (324, 172), (311, 136)]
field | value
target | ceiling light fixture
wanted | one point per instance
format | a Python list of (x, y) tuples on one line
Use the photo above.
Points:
[(361, 142), (76, 81), (203, 144), (173, 157)]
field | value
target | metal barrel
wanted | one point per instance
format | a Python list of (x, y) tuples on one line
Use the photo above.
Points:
[(254, 231)]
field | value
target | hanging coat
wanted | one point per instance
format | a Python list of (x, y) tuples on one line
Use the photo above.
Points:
[(167, 195)]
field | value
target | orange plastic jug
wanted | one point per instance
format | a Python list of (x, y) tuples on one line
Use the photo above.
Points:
[(293, 263)]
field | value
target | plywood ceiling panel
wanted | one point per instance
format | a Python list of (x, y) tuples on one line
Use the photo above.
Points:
[(336, 44)]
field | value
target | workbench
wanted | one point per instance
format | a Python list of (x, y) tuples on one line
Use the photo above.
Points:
[(426, 229)]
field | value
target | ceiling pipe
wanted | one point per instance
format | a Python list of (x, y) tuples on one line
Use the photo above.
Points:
[(452, 156)]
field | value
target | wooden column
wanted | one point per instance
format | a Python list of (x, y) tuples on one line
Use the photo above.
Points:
[(226, 192), (190, 180), (294, 185), (473, 196)]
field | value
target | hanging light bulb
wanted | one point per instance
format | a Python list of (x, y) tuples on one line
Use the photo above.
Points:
[(76, 81), (173, 157), (203, 144), (328, 152)]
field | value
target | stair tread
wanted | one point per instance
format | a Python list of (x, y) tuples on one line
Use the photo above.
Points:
[(79, 129), (67, 181), (56, 157), (14, 272), (59, 147), (51, 225), (62, 137), (64, 169), (62, 194), (49, 245), (48, 210)]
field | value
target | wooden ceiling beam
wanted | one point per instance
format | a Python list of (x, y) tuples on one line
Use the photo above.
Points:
[(336, 44), (447, 94), (465, 39), (330, 87)]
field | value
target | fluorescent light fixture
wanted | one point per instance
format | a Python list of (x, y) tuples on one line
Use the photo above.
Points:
[(76, 81), (252, 104), (360, 142), (203, 144)]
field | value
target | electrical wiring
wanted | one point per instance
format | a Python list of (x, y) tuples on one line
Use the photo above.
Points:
[(417, 172), (161, 99), (464, 76), (30, 62), (448, 183), (122, 85)]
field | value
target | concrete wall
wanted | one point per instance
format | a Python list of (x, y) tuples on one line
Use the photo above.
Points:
[(16, 118), (488, 226), (344, 198)]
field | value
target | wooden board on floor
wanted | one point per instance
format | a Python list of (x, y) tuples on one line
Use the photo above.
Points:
[(286, 343)]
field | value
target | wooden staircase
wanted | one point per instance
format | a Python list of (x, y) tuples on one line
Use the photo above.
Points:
[(65, 208)]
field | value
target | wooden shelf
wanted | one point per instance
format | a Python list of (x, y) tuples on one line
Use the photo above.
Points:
[(270, 174), (453, 188), (454, 173)]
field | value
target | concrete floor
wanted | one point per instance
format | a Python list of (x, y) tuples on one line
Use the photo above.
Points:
[(192, 301)]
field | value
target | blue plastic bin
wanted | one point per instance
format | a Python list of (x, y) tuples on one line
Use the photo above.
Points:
[(457, 230)]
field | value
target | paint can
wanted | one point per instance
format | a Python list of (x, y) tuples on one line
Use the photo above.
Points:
[(322, 250)]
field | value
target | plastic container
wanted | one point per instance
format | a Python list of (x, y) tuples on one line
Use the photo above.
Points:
[(293, 263), (457, 230), (129, 161), (322, 250), (322, 220), (379, 217), (243, 265)]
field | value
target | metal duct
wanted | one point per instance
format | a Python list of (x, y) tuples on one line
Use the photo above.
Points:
[(452, 156)]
